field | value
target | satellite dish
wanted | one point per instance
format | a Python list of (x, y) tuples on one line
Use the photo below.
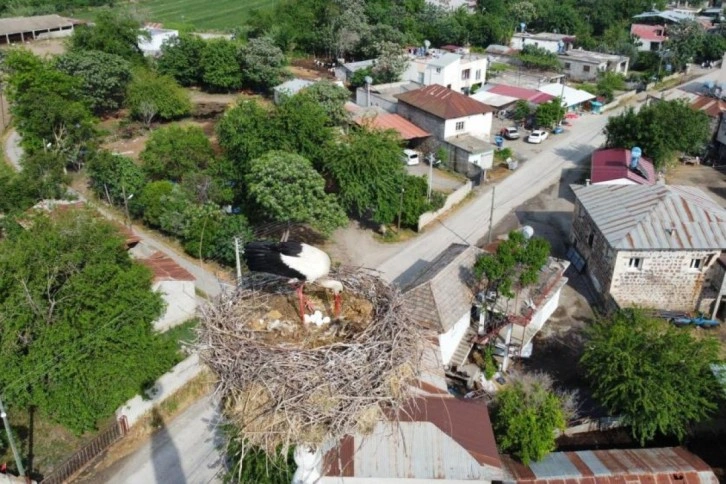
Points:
[(369, 80), (427, 44), (527, 231)]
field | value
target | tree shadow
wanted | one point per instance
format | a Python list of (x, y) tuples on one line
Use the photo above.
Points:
[(551, 226), (164, 454), (408, 276)]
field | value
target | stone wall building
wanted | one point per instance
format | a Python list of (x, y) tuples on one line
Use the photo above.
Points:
[(654, 246)]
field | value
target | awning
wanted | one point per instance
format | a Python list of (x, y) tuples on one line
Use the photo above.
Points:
[(571, 96)]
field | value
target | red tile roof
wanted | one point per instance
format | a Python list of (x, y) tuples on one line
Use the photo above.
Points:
[(530, 95), (711, 106), (401, 125), (652, 33), (165, 268), (443, 103), (636, 466), (612, 164)]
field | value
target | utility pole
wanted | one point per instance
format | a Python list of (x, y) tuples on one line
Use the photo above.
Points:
[(491, 216), (400, 209), (18, 462), (126, 204), (237, 259)]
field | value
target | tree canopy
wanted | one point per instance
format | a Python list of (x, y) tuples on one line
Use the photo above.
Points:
[(181, 58), (174, 151), (525, 416), (112, 33), (219, 65), (76, 337), (152, 96), (262, 64), (550, 113), (661, 129), (539, 58), (516, 261), (654, 375), (331, 98), (288, 189), (103, 78), (113, 176)]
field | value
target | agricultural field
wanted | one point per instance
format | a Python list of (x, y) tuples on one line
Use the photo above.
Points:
[(200, 14)]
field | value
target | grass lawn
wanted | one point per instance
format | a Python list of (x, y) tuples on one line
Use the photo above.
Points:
[(201, 14)]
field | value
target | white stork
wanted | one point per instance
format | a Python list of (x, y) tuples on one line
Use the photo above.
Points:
[(300, 262)]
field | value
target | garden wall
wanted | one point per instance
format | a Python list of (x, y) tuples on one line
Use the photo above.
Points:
[(455, 197)]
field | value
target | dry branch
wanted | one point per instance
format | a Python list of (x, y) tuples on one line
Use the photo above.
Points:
[(283, 391)]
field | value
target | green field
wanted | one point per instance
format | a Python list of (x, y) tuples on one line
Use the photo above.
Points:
[(201, 14)]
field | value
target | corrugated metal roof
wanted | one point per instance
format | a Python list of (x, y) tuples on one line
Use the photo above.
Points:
[(166, 269), (443, 103), (612, 164), (667, 464), (405, 128), (657, 217), (530, 95), (711, 106)]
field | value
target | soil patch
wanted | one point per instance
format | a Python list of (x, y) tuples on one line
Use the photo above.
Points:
[(307, 69)]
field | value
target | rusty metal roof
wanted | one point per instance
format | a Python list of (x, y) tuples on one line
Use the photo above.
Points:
[(636, 466), (443, 103), (437, 438), (405, 128), (166, 269), (711, 106), (442, 294), (657, 217)]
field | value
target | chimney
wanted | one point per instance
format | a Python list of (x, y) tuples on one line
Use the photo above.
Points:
[(634, 157)]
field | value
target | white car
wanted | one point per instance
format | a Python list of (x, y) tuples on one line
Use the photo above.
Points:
[(411, 157), (537, 136)]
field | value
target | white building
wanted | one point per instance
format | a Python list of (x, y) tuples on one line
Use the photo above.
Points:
[(151, 46), (583, 65), (458, 72), (469, 5), (650, 37), (551, 42)]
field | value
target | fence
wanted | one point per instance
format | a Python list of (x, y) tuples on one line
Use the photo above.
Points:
[(88, 452), (591, 425), (453, 198)]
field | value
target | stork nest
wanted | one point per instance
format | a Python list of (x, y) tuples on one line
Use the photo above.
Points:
[(286, 383)]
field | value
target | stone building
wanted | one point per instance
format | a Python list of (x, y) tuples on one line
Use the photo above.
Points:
[(653, 246)]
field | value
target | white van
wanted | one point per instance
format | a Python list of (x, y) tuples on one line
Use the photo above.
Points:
[(411, 157)]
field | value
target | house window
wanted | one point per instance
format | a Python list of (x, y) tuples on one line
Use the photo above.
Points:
[(567, 66), (460, 126), (635, 263), (591, 239), (465, 74), (438, 70), (696, 264), (585, 68), (477, 75), (420, 77)]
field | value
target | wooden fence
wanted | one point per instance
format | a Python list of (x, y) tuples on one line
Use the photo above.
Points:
[(88, 452)]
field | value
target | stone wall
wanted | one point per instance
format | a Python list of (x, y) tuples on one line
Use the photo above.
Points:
[(664, 280), (596, 251), (423, 120)]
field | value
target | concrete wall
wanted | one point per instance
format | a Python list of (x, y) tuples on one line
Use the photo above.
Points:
[(181, 303), (576, 70), (423, 120), (548, 45), (164, 387), (361, 99), (449, 341), (453, 198), (664, 280), (478, 125)]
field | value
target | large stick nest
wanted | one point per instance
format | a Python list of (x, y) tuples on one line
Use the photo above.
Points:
[(285, 383)]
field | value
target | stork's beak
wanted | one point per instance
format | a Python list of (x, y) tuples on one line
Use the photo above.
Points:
[(336, 308)]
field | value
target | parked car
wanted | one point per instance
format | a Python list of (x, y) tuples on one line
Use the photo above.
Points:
[(510, 132), (537, 136), (411, 157)]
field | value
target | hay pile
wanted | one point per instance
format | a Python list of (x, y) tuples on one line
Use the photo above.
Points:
[(285, 383)]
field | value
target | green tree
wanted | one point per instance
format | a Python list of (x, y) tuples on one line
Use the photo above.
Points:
[(77, 338), (331, 98), (103, 78), (300, 125), (368, 172), (608, 83), (391, 62), (210, 233), (174, 151), (522, 110), (684, 42), (262, 63), (112, 33), (415, 201), (661, 129), (44, 175), (245, 132), (113, 176), (550, 113), (517, 261), (219, 65), (525, 416), (181, 58), (151, 96), (287, 189), (151, 202), (654, 375), (46, 107), (539, 58)]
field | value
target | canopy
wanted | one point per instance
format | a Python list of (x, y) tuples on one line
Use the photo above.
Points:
[(571, 96)]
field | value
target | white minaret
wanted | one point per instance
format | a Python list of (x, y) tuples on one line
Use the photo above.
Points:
[(309, 465)]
